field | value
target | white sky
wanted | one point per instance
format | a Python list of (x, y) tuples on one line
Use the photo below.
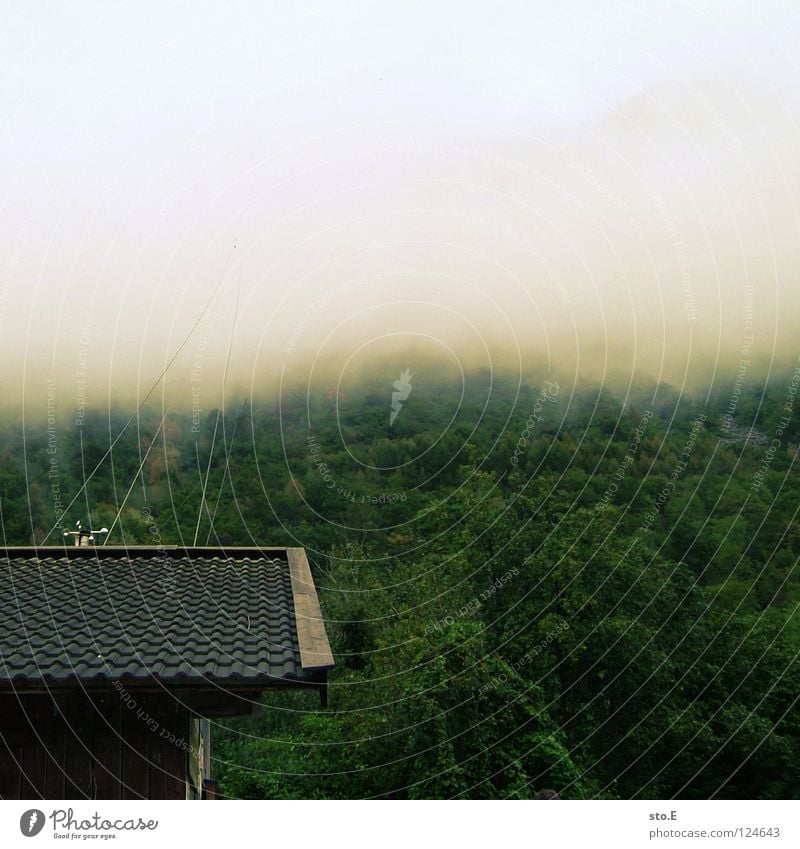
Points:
[(417, 146)]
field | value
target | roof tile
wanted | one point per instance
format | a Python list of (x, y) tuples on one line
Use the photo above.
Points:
[(182, 617)]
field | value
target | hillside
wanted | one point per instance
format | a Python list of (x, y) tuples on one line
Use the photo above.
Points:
[(528, 587)]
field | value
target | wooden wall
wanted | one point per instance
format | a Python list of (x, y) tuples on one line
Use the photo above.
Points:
[(104, 746)]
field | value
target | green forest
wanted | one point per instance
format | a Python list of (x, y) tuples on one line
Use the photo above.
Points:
[(529, 586)]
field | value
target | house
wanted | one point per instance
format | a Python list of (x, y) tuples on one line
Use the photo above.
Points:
[(114, 662)]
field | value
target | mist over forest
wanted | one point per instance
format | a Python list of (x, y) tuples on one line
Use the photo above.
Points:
[(529, 585)]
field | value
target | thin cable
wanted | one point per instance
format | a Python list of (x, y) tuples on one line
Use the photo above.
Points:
[(136, 477), (221, 411), (138, 409)]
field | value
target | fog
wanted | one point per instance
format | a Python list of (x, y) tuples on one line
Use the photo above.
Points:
[(205, 202)]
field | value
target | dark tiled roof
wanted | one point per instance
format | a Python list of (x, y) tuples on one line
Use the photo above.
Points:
[(179, 616)]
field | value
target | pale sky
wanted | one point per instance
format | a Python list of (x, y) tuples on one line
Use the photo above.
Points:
[(596, 182)]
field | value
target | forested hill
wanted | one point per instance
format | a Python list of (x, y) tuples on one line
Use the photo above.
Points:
[(528, 586)]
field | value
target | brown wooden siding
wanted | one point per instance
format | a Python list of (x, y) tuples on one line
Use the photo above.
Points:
[(77, 746)]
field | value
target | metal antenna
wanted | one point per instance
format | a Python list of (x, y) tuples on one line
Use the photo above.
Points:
[(83, 537)]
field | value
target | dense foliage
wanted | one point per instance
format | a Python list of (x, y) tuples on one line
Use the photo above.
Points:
[(527, 587)]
